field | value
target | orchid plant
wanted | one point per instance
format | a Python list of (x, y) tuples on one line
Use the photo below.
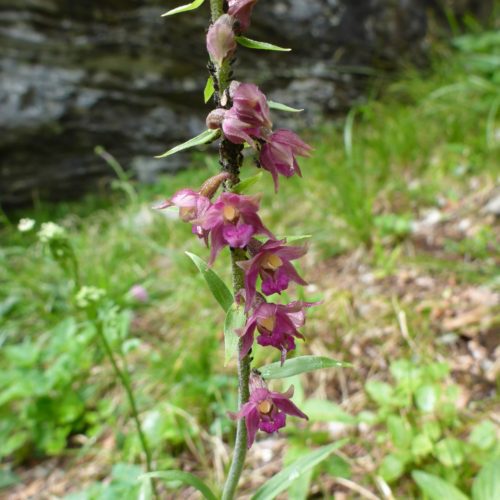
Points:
[(261, 263)]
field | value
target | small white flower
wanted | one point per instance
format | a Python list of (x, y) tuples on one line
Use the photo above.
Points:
[(50, 231), (88, 295), (26, 225)]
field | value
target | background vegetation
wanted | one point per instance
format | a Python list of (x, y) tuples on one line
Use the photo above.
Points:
[(401, 204)]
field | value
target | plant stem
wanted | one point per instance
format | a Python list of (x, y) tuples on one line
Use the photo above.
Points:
[(125, 381), (216, 8), (231, 159)]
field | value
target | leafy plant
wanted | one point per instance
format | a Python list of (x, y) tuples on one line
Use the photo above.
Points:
[(420, 427)]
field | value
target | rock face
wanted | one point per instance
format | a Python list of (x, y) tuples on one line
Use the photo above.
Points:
[(76, 74)]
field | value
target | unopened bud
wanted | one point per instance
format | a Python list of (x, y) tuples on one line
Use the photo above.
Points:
[(211, 185), (221, 40), (215, 118)]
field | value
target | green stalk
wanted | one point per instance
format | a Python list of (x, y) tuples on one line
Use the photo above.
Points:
[(231, 160), (127, 386), (216, 8)]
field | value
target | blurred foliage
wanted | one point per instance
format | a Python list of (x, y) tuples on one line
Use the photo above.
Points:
[(366, 184)]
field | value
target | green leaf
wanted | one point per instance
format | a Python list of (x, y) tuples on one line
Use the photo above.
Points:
[(245, 184), (321, 410), (184, 8), (297, 239), (400, 431), (380, 392), (283, 107), (426, 398), (254, 44), (298, 365), (8, 478), (421, 445), (209, 89), (219, 290), (281, 481), (203, 138), (486, 486), (449, 452), (483, 435), (235, 319), (436, 488), (184, 478), (391, 468)]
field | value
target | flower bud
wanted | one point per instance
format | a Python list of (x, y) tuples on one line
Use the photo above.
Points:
[(215, 118), (210, 186), (221, 41), (242, 11)]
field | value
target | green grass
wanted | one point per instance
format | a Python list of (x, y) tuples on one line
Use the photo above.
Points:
[(371, 175)]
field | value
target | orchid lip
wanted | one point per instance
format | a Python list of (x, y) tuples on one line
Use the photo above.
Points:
[(230, 213), (265, 407), (268, 323), (272, 262)]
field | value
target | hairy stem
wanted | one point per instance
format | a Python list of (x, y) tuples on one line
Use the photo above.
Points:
[(127, 386), (240, 445), (231, 159), (216, 8)]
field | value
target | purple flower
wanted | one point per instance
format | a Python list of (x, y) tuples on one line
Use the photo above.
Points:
[(237, 130), (192, 206), (241, 10), (271, 262), (277, 326), (266, 410), (139, 293), (221, 41), (232, 220), (250, 105), (277, 156)]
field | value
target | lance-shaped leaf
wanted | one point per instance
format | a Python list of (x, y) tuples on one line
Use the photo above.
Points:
[(486, 486), (245, 184), (436, 488), (172, 476), (209, 89), (281, 481), (184, 8), (235, 319), (203, 138), (254, 44), (283, 107), (219, 290), (302, 364)]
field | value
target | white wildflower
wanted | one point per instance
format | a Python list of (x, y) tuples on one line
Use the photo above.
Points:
[(26, 225), (50, 231)]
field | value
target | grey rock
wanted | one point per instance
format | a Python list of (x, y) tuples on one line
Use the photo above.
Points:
[(76, 74)]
